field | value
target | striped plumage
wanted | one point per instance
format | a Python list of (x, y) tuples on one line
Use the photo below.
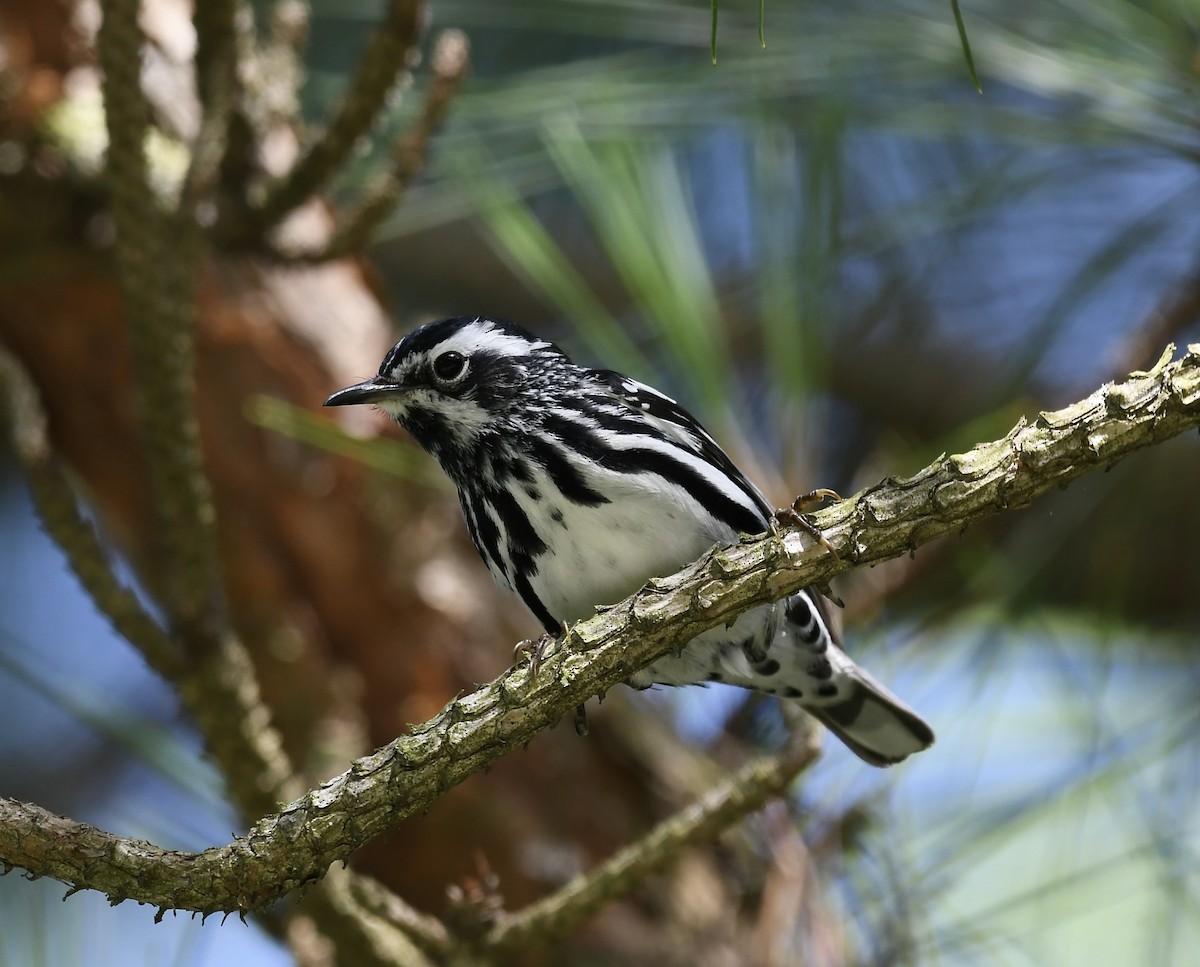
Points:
[(578, 485)]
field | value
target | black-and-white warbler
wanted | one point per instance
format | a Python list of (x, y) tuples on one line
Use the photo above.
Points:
[(578, 485)]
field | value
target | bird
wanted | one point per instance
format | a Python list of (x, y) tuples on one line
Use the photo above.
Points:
[(578, 485)]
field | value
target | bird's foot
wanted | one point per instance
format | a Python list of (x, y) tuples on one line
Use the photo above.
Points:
[(535, 649), (795, 515)]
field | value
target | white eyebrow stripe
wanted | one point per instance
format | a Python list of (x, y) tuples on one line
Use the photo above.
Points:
[(482, 336)]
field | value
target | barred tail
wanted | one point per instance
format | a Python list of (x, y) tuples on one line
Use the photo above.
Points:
[(795, 656), (874, 724)]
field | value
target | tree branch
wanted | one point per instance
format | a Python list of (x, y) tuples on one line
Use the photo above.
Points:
[(352, 231), (427, 933), (157, 265), (158, 260), (386, 55), (221, 690), (749, 789), (284, 851), (363, 933), (56, 503), (217, 84)]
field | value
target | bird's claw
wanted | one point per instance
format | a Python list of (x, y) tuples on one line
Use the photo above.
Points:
[(795, 515), (818, 496), (535, 650)]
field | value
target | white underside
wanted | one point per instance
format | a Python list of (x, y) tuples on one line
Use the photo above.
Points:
[(649, 528)]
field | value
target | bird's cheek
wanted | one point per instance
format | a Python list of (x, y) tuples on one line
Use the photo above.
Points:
[(395, 408)]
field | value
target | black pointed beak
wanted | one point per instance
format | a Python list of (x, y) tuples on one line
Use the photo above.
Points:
[(369, 391)]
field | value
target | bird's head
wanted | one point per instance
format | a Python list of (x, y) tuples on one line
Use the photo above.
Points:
[(450, 383)]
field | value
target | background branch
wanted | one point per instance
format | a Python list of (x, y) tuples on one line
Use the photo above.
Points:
[(723, 805), (218, 87), (159, 257), (387, 54), (448, 68), (156, 262), (58, 507)]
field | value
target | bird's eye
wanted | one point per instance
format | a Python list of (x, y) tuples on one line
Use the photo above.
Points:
[(449, 365)]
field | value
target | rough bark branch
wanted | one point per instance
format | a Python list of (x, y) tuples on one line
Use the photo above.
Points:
[(295, 846)]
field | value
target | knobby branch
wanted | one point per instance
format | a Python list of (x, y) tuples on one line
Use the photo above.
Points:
[(296, 845)]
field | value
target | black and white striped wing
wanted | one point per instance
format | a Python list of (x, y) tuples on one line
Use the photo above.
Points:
[(677, 424)]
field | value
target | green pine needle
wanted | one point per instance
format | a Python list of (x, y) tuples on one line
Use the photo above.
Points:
[(713, 40), (762, 36), (962, 36)]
